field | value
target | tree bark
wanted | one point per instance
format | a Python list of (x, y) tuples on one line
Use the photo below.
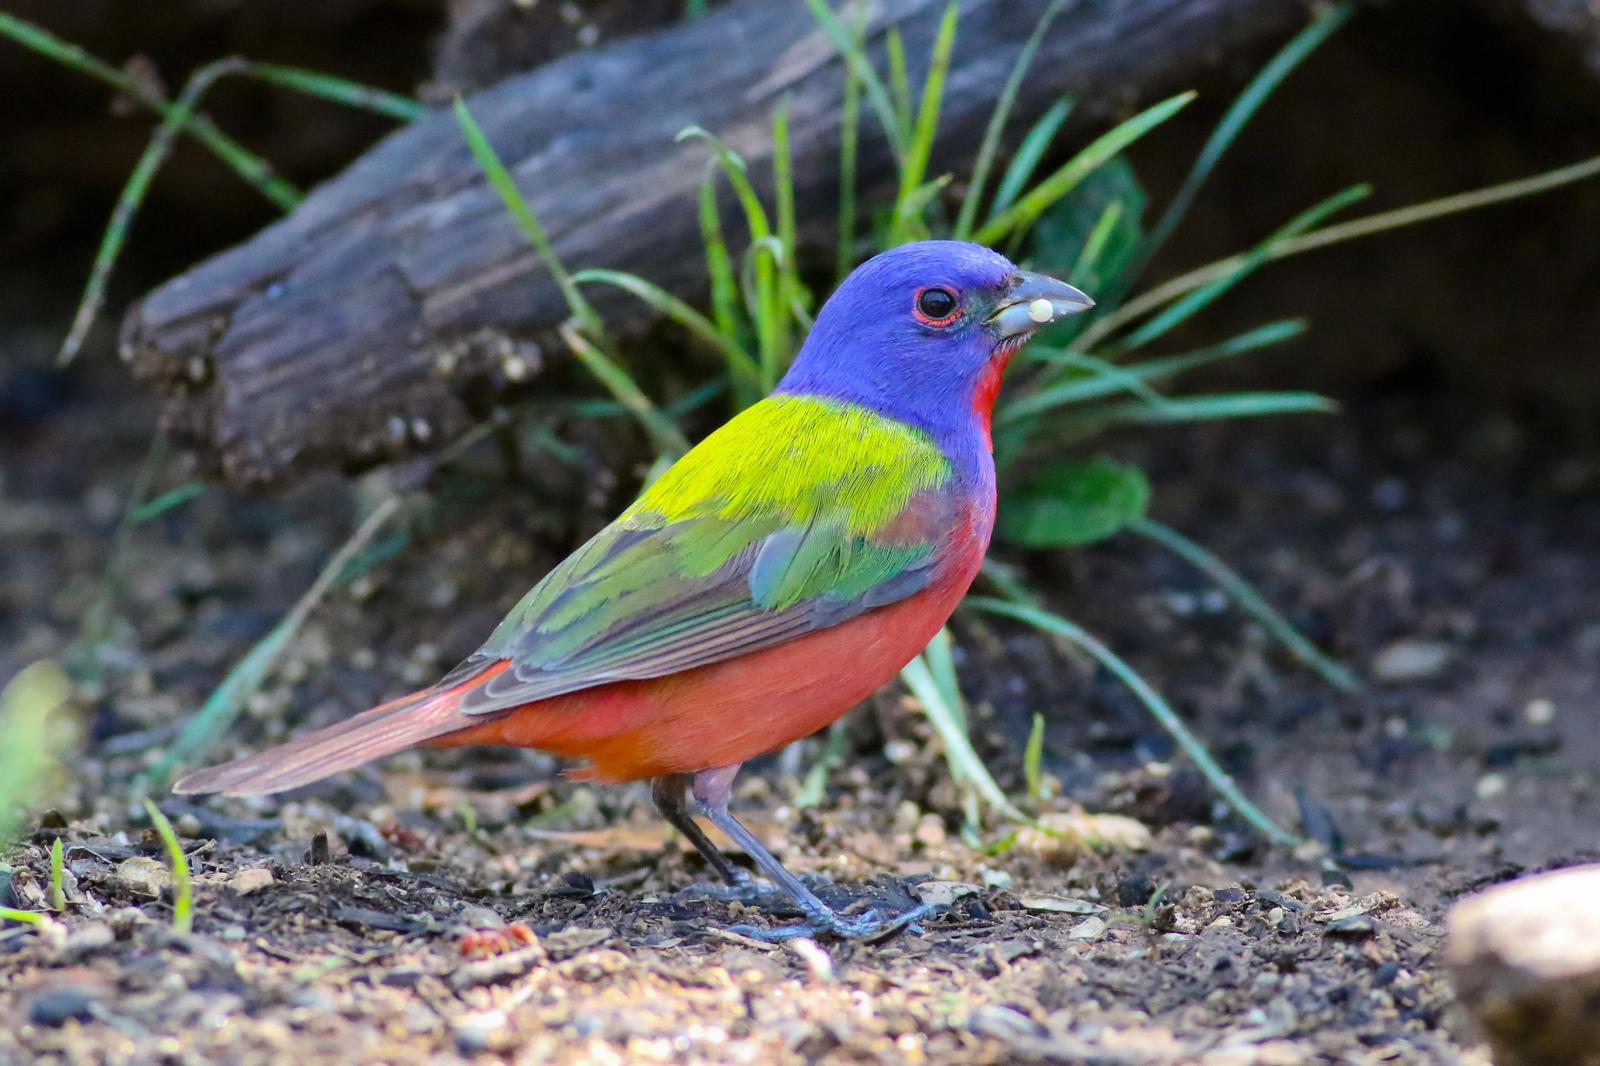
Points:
[(354, 330)]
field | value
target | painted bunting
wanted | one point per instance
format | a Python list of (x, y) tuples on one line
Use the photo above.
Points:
[(771, 579)]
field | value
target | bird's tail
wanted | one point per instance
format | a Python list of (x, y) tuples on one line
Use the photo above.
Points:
[(385, 729)]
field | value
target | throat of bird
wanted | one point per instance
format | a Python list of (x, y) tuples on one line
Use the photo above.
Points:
[(988, 386)]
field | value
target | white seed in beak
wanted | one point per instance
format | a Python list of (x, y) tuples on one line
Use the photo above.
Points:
[(1041, 310)]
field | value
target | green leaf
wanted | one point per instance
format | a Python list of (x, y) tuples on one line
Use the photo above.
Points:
[(1075, 503), (26, 704)]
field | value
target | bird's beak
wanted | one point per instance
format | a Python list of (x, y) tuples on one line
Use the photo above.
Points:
[(1035, 300)]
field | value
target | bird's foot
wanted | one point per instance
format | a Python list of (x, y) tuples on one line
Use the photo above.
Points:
[(871, 926), (750, 892)]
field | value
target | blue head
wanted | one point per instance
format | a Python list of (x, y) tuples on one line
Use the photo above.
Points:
[(923, 332)]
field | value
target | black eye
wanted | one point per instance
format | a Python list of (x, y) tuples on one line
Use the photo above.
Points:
[(936, 306)]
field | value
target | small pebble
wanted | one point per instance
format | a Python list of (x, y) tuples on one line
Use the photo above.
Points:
[(1490, 786), (58, 1006), (144, 876), (1091, 928), (252, 880), (1539, 712), (1410, 660)]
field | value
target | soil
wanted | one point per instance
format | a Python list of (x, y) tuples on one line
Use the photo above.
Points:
[(478, 907)]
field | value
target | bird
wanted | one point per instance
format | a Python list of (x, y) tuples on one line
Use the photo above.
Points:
[(776, 575)]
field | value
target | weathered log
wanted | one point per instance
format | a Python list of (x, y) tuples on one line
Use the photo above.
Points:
[(351, 331), (487, 41)]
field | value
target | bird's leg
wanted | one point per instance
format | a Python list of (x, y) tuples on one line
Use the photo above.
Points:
[(667, 792), (713, 789)]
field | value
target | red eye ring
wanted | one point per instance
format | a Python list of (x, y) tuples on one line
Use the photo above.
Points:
[(930, 301)]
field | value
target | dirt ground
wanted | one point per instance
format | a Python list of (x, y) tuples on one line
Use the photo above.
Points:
[(1440, 546)]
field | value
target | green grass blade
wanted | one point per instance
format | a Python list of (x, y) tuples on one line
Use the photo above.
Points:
[(1107, 376), (944, 714), (167, 501), (741, 367), (1252, 602), (58, 878), (227, 700), (814, 789), (920, 197), (182, 883), (130, 199), (249, 166), (666, 437), (1055, 625), (1181, 310), (1095, 246), (853, 51), (1014, 220), (719, 264), (789, 290), (1236, 118), (1082, 389), (1033, 761), (972, 199), (11, 914), (339, 90), (769, 340), (500, 178), (940, 657), (849, 150), (1202, 409), (899, 81), (1370, 225), (907, 218), (1028, 155)]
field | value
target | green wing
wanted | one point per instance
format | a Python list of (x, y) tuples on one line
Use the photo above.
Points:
[(795, 516)]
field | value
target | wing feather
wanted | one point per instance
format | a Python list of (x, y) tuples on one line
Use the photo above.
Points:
[(704, 567)]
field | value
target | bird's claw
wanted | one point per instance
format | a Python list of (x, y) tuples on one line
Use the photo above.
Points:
[(870, 926), (749, 892)]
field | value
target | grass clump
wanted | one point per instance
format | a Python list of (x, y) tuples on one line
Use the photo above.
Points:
[(182, 884)]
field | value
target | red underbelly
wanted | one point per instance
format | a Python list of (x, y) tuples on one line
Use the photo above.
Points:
[(727, 712)]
